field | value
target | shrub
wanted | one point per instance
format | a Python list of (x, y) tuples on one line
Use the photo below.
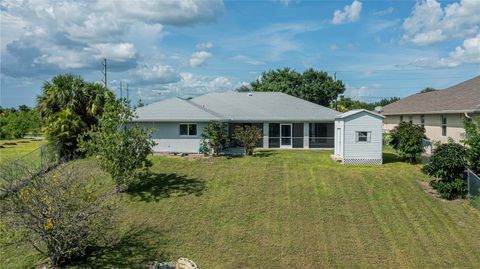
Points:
[(472, 143), (447, 165), (59, 213), (406, 140), (214, 137), (248, 137), (450, 189), (121, 150)]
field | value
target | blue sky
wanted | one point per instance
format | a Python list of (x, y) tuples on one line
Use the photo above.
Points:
[(186, 48)]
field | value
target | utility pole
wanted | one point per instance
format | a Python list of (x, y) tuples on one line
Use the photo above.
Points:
[(104, 72), (127, 91), (121, 90)]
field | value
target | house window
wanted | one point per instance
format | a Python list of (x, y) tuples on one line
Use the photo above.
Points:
[(401, 118), (363, 136), (410, 119), (444, 125), (188, 129), (422, 120)]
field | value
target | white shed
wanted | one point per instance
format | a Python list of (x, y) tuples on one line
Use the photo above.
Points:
[(358, 137)]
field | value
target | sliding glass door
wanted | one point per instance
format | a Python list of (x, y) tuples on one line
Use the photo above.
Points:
[(286, 135)]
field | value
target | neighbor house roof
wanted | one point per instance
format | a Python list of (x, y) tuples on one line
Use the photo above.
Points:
[(463, 97), (356, 111), (235, 106)]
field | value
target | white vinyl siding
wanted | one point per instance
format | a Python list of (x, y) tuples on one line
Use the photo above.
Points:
[(167, 137), (358, 138)]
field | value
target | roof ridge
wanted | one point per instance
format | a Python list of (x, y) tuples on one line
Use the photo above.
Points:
[(202, 107)]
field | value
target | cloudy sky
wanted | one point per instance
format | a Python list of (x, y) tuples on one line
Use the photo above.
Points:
[(186, 48)]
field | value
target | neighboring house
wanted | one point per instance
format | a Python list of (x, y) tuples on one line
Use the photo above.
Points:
[(358, 137), (441, 112), (285, 121)]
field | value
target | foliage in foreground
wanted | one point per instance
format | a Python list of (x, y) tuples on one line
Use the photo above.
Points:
[(447, 166), (59, 213), (17, 123), (248, 137), (472, 143), (69, 107), (406, 140), (121, 149), (214, 137)]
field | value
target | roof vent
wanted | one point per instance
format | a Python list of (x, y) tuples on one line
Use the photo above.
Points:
[(250, 94)]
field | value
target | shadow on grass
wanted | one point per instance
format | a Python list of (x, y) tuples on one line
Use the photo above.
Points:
[(157, 186), (264, 153), (136, 248), (389, 157)]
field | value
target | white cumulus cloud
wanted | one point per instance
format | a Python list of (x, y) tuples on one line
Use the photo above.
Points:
[(350, 13), (199, 58), (429, 23)]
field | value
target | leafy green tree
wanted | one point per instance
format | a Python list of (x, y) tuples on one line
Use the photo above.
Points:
[(386, 101), (345, 104), (215, 137), (406, 140), (472, 142), (447, 165), (248, 137), (427, 89), (120, 147), (18, 123), (69, 92), (311, 85)]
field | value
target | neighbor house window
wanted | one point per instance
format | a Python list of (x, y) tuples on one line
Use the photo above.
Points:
[(444, 125), (188, 129), (422, 120), (363, 136), (401, 118)]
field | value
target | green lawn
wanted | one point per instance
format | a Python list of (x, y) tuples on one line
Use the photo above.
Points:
[(22, 147), (283, 209)]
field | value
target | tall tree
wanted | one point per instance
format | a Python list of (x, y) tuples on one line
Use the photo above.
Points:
[(311, 85), (73, 105)]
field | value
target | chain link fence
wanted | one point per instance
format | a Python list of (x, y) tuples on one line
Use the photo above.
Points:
[(40, 160), (473, 182)]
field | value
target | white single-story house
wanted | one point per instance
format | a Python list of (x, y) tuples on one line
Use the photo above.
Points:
[(286, 121), (440, 112), (358, 137)]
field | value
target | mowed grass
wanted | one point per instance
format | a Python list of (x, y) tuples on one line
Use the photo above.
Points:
[(285, 209), (22, 148)]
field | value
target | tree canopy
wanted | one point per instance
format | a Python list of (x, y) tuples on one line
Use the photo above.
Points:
[(69, 106), (311, 85), (345, 104)]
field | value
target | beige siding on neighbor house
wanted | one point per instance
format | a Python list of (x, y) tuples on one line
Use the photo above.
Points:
[(433, 125)]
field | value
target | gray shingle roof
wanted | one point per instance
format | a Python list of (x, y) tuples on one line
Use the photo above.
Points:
[(234, 106), (355, 111), (173, 110), (463, 97)]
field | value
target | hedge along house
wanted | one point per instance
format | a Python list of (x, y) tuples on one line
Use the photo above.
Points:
[(286, 121), (358, 137)]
